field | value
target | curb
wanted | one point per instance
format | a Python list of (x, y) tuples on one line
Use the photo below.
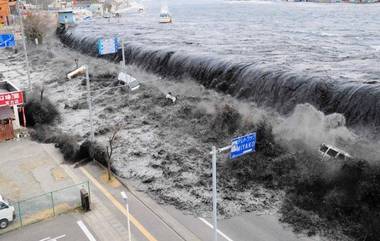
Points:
[(184, 233)]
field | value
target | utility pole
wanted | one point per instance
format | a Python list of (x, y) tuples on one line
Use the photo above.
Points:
[(123, 52), (24, 44), (89, 101)]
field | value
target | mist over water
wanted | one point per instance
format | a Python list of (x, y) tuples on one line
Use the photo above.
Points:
[(274, 53)]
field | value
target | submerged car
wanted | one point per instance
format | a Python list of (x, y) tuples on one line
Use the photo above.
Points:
[(331, 152)]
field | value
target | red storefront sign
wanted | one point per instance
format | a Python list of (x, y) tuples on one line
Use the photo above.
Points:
[(11, 98)]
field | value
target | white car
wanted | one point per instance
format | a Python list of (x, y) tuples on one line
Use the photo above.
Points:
[(132, 83), (331, 152), (7, 213)]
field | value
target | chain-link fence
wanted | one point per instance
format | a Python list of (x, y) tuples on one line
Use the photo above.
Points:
[(45, 206)]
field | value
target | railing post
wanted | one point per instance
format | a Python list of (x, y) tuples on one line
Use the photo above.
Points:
[(19, 213), (52, 203)]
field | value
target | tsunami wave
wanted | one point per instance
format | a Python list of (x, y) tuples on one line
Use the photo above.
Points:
[(282, 90)]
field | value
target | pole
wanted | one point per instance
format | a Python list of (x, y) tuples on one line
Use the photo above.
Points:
[(129, 224), (123, 52), (24, 44), (89, 101), (214, 198), (52, 203)]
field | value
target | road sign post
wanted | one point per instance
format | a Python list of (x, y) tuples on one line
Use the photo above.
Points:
[(214, 194), (239, 147)]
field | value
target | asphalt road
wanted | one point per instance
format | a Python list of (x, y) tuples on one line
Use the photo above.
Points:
[(247, 227), (68, 227)]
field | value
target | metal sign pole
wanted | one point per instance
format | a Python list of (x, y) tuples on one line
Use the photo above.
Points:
[(24, 44), (239, 146), (89, 103), (214, 193), (214, 197)]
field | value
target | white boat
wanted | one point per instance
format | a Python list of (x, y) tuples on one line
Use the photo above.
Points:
[(165, 16)]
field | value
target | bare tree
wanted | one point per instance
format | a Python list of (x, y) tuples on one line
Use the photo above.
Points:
[(110, 148)]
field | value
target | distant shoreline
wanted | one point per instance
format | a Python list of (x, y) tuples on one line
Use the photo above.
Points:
[(313, 1)]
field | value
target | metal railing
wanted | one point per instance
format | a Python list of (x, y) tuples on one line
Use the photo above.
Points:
[(47, 205)]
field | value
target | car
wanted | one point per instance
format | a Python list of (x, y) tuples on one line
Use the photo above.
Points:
[(7, 213), (331, 152)]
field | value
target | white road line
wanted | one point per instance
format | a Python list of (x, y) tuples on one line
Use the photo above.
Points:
[(212, 226), (86, 231), (59, 237), (53, 239)]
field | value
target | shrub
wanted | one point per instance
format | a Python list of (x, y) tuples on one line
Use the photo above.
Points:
[(35, 27), (93, 150), (40, 111)]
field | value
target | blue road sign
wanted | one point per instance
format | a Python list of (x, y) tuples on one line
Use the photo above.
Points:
[(7, 40), (108, 46), (243, 145)]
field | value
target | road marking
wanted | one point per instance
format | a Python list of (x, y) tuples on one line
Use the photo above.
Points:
[(119, 206), (53, 239), (86, 231), (44, 239), (212, 226)]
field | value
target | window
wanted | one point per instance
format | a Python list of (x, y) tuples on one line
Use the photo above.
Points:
[(323, 148), (3, 206), (332, 152), (341, 156)]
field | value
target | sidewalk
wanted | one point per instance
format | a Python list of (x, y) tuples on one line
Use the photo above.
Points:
[(108, 216), (101, 219)]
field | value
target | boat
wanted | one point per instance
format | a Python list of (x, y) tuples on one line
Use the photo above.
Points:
[(165, 16)]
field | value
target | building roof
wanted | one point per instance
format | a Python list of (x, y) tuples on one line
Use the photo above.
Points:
[(7, 86)]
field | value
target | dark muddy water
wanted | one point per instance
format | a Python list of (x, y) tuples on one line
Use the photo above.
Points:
[(274, 53), (340, 41)]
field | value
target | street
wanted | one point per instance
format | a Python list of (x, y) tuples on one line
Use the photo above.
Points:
[(66, 227), (150, 221)]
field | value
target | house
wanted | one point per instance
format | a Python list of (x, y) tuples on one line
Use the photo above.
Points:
[(4, 12), (11, 107), (66, 17)]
